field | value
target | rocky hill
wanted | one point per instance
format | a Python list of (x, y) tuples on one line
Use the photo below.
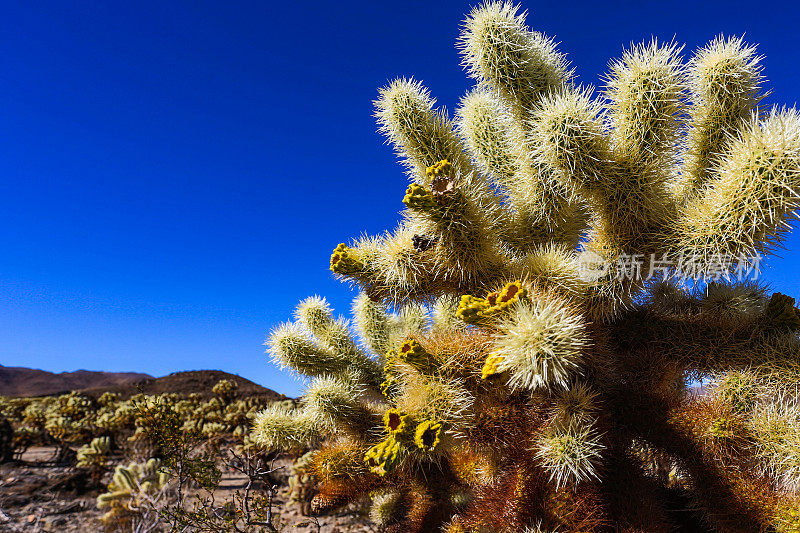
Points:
[(18, 381), (199, 381)]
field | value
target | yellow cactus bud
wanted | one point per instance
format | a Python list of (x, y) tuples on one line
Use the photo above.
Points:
[(412, 353), (471, 309), (383, 457), (491, 366), (419, 198), (344, 260), (441, 169)]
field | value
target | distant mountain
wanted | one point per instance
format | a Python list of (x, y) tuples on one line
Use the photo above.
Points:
[(18, 381), (198, 381)]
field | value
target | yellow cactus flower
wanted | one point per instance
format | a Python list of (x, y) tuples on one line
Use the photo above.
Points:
[(428, 435), (473, 310), (500, 301), (396, 423), (412, 353)]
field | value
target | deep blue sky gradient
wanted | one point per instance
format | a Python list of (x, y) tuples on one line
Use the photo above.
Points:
[(174, 175)]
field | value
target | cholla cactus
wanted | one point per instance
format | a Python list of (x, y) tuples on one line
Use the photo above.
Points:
[(134, 496), (518, 368), (226, 389), (94, 455), (301, 483)]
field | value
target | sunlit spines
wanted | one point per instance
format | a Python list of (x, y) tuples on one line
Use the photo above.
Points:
[(725, 79), (372, 321), (738, 389), (541, 344), (443, 314), (339, 459), (428, 397), (583, 360), (421, 135), (393, 270), (334, 334), (745, 208), (541, 207), (775, 426), (498, 49), (388, 507), (412, 318), (489, 133), (571, 454), (458, 228), (279, 428), (566, 133), (316, 315), (290, 346), (337, 405), (554, 267), (645, 89)]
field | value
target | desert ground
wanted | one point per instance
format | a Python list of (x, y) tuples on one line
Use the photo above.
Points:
[(37, 495)]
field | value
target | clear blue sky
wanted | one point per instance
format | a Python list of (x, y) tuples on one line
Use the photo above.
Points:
[(173, 176)]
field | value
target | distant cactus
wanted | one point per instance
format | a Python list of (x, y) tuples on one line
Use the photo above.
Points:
[(301, 483), (94, 456), (132, 493), (226, 390), (528, 332)]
